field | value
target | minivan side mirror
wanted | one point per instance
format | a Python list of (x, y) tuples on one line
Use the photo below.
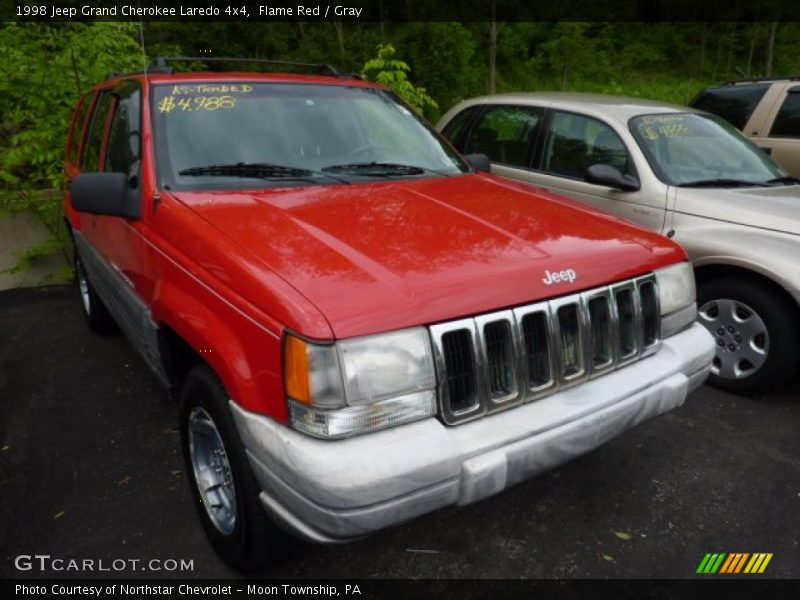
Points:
[(611, 176), (106, 194), (479, 162), (765, 150)]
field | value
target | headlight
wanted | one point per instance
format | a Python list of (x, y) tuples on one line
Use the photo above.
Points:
[(361, 384), (676, 292)]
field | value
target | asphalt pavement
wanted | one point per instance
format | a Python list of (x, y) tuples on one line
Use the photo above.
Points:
[(90, 468)]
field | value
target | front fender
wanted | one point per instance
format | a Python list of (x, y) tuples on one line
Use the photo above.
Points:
[(772, 254), (244, 354)]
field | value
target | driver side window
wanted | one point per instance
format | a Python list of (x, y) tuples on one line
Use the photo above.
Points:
[(124, 138), (575, 142)]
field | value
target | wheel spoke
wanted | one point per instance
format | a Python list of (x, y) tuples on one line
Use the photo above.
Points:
[(751, 327), (727, 367), (754, 356), (705, 316)]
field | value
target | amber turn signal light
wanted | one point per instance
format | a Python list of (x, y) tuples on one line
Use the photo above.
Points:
[(295, 366)]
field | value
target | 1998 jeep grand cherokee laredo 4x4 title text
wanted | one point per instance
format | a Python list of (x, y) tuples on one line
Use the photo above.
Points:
[(360, 327)]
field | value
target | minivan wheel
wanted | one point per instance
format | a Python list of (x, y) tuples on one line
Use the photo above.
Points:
[(223, 486), (755, 330), (94, 311)]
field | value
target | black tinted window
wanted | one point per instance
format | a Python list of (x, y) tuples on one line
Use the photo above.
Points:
[(454, 130), (787, 123), (91, 152), (734, 103), (124, 137), (576, 142), (505, 134)]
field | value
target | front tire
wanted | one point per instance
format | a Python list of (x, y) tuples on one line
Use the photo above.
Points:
[(756, 330), (223, 486), (94, 311)]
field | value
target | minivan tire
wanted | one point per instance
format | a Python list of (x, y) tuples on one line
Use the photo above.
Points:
[(781, 322)]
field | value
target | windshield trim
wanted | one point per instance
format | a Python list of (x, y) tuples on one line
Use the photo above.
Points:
[(654, 166), (163, 169)]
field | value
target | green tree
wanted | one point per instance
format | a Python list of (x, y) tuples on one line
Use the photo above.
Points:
[(393, 73), (43, 72)]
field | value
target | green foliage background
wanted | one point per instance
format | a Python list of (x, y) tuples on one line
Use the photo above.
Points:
[(44, 68)]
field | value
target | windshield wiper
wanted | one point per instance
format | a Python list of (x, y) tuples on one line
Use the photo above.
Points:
[(786, 179), (378, 169), (255, 171), (723, 183)]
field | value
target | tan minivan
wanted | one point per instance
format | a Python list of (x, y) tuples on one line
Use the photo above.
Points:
[(679, 171), (765, 110)]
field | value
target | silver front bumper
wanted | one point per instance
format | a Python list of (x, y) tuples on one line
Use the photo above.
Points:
[(329, 491)]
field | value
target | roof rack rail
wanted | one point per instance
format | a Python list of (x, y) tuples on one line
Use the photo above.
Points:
[(160, 65), (763, 79), (160, 62)]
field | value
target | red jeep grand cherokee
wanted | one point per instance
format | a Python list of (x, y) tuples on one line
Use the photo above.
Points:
[(359, 326)]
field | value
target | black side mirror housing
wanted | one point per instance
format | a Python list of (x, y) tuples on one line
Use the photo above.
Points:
[(110, 194), (479, 162), (611, 176), (767, 151)]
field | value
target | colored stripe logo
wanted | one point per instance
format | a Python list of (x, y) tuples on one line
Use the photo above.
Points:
[(733, 563)]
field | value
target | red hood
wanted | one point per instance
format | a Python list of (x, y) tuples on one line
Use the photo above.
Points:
[(375, 257)]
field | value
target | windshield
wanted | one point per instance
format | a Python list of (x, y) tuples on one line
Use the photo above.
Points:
[(222, 135), (689, 149)]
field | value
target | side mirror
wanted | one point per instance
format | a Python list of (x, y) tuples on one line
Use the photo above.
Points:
[(106, 194), (767, 151), (612, 177), (479, 162)]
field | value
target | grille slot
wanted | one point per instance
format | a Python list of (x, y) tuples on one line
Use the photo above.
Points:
[(569, 329), (626, 316), (459, 360), (648, 299), (536, 343), (499, 344), (497, 360), (600, 332)]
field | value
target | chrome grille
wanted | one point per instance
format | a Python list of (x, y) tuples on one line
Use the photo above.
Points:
[(501, 359)]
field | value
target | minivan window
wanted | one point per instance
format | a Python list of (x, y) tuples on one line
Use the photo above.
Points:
[(576, 142), (455, 129), (734, 103), (787, 122), (687, 149), (505, 134)]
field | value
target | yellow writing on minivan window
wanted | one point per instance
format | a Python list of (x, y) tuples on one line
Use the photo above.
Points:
[(196, 103), (668, 126)]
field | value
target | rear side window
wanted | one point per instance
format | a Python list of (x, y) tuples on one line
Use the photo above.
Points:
[(94, 140), (787, 123), (77, 130), (124, 139), (734, 103), (505, 134)]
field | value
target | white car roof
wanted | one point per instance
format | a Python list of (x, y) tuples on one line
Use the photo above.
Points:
[(619, 107)]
